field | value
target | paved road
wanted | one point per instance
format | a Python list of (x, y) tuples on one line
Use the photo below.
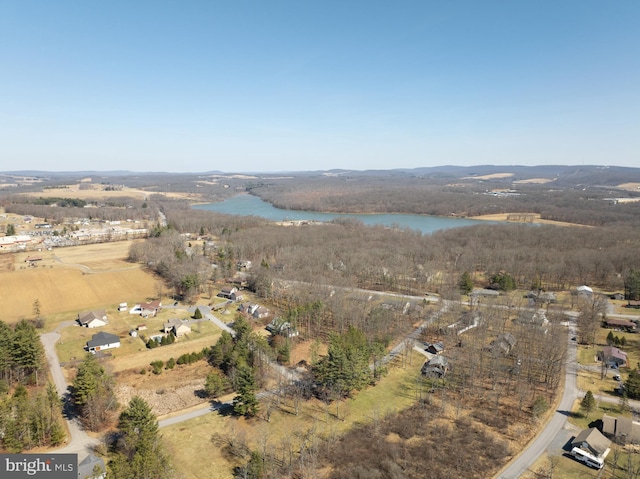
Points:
[(80, 442), (556, 425)]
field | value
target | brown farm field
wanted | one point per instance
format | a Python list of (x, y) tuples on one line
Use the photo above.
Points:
[(72, 279), (95, 192)]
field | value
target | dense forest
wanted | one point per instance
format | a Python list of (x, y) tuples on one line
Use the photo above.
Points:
[(347, 253), (30, 408), (586, 206)]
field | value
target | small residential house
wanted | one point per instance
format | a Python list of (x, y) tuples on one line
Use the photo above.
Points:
[(620, 324), (613, 356), (228, 292), (624, 429), (92, 319), (434, 348), (150, 309), (101, 341), (503, 344), (177, 326), (254, 310), (537, 317), (260, 312), (437, 366), (279, 326), (592, 442), (247, 308), (169, 325), (633, 304), (181, 329)]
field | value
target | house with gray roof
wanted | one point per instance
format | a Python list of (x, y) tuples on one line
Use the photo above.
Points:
[(101, 341), (593, 442), (437, 366), (92, 319)]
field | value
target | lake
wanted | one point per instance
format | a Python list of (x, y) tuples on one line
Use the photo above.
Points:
[(249, 205)]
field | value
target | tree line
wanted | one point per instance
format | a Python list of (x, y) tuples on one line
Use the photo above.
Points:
[(30, 408)]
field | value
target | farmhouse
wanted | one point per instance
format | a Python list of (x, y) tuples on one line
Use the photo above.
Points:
[(92, 319), (101, 341)]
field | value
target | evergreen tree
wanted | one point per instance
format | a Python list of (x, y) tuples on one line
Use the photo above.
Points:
[(632, 386), (632, 285), (588, 403), (197, 314), (139, 453), (11, 230), (503, 281), (6, 352), (93, 394), (246, 402), (466, 283), (27, 350), (215, 383), (346, 366), (610, 338)]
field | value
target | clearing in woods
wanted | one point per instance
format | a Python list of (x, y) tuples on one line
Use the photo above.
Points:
[(72, 279)]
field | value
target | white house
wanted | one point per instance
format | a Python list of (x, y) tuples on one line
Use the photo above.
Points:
[(92, 319), (101, 341)]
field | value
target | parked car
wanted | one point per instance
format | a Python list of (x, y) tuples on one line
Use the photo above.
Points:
[(616, 377)]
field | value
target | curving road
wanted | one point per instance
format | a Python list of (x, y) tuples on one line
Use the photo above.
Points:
[(80, 442), (556, 424)]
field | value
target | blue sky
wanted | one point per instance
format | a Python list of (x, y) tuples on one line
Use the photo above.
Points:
[(262, 86)]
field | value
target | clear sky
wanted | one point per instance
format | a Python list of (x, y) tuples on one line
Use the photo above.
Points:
[(269, 85)]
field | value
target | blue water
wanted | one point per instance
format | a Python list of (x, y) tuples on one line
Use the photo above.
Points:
[(248, 205)]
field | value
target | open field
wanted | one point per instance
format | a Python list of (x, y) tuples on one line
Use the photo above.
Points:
[(489, 177), (62, 289), (73, 279), (534, 218), (97, 192), (203, 459), (630, 186), (536, 181)]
